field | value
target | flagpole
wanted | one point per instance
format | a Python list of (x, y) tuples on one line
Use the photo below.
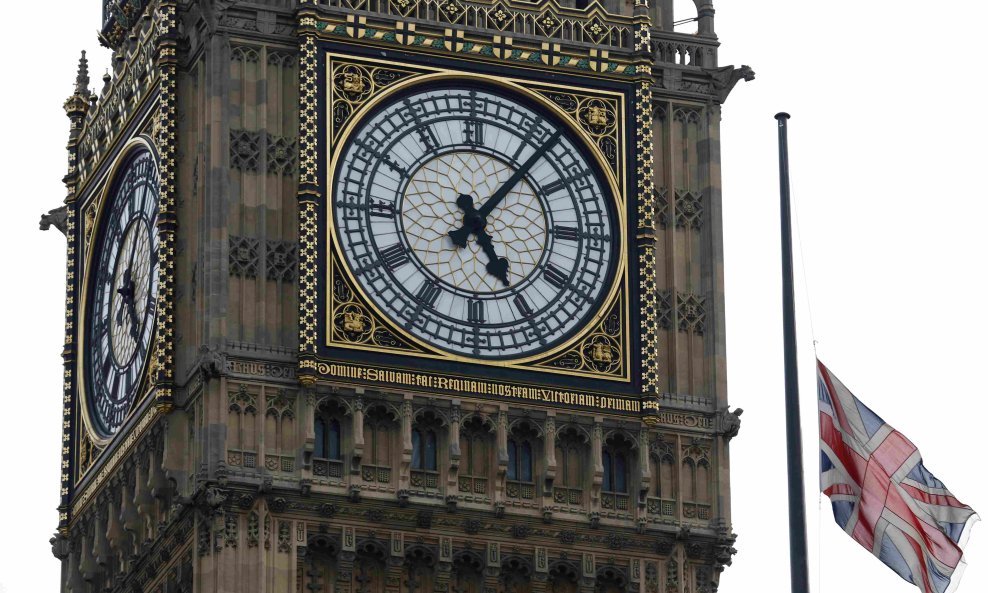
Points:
[(799, 574)]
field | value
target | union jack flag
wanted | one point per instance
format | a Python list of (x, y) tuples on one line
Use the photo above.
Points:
[(882, 494)]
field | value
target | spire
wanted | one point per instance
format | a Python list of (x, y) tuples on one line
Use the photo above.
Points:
[(82, 78), (77, 104)]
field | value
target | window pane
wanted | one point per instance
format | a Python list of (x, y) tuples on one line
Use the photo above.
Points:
[(525, 463), (620, 473), (334, 439), (320, 438), (430, 450), (416, 449), (608, 475), (512, 460)]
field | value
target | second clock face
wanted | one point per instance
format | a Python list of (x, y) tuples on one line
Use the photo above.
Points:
[(475, 222), (124, 289)]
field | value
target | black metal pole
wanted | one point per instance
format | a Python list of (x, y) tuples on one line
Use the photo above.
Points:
[(794, 441)]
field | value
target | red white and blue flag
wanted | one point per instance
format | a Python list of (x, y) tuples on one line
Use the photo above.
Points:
[(882, 494)]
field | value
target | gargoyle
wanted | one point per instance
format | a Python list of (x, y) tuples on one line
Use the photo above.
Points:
[(730, 422), (725, 78), (55, 218)]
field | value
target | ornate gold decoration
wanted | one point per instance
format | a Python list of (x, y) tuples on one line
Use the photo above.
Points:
[(106, 121), (166, 25), (307, 115), (89, 223), (307, 196), (600, 352), (597, 116), (648, 288), (352, 85), (548, 24), (354, 323), (452, 11), (88, 452), (589, 35)]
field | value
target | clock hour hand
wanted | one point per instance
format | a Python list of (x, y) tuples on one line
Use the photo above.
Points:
[(134, 330), (474, 224), (126, 292), (496, 266), (470, 220)]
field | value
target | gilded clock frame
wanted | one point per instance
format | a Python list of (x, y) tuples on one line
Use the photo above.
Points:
[(615, 301), (91, 434)]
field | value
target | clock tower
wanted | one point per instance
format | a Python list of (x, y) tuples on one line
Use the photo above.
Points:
[(395, 296)]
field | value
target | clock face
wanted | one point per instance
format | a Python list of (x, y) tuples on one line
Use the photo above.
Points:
[(123, 289), (475, 221)]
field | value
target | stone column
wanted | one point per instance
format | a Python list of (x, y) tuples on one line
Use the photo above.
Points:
[(358, 435), (492, 568), (588, 574)]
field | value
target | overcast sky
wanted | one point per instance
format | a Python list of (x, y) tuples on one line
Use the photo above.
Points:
[(888, 170)]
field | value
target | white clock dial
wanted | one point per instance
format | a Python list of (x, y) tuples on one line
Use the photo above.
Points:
[(123, 290), (475, 221)]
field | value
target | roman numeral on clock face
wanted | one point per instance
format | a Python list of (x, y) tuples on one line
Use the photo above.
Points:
[(428, 293), (522, 305), (382, 209), (555, 276), (553, 187), (565, 233), (473, 130), (394, 257), (475, 311)]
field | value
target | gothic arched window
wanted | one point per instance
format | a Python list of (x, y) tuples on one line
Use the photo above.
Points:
[(523, 441), (662, 499), (424, 449), (426, 434), (327, 450), (572, 453), (617, 461), (328, 438), (476, 451), (696, 481), (616, 456), (615, 471), (379, 430), (519, 460)]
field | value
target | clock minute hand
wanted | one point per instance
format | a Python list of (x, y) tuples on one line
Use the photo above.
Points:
[(512, 181)]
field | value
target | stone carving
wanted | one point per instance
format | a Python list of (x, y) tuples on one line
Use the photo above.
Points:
[(281, 258), (244, 256), (729, 422), (691, 312), (689, 209), (253, 529), (57, 218), (231, 530), (725, 78), (245, 149), (284, 536), (282, 155)]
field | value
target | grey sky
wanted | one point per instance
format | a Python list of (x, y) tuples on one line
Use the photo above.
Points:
[(888, 174)]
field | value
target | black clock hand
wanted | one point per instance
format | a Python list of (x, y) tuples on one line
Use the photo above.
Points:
[(473, 223), (134, 331), (473, 217), (512, 181), (126, 292), (496, 266)]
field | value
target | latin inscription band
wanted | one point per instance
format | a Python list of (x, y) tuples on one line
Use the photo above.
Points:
[(475, 386)]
